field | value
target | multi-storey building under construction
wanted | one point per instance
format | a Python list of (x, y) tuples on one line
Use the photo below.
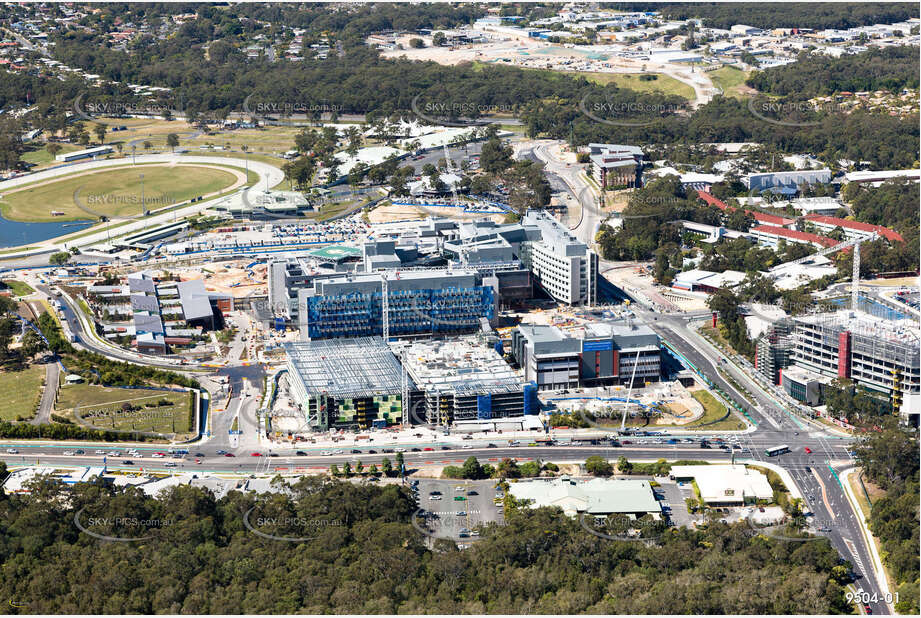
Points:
[(881, 355)]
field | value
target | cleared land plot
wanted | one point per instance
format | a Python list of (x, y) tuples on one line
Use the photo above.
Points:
[(663, 84), (18, 392), (732, 82), (108, 408), (114, 192)]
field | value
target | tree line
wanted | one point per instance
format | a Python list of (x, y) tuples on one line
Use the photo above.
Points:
[(815, 15), (889, 458)]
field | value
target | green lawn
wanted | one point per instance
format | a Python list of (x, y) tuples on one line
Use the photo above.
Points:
[(19, 391), (18, 288), (713, 410), (113, 192), (732, 81), (103, 407), (40, 157)]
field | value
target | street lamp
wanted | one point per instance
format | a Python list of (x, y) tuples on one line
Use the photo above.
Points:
[(143, 204)]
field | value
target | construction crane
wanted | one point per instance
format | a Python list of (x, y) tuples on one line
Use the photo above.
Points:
[(404, 392), (623, 420), (385, 306), (855, 271)]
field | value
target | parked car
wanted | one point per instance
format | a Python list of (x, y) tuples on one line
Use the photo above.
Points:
[(229, 455), (127, 462), (255, 454), (300, 453)]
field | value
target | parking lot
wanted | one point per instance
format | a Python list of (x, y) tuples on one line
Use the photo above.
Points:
[(454, 508), (674, 495)]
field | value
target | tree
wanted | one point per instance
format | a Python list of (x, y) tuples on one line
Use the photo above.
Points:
[(53, 148), (346, 469), (373, 471), (597, 465), (472, 469), (624, 466), (386, 467), (439, 39), (399, 461), (416, 43), (32, 344), (147, 145), (172, 140), (59, 257), (334, 470), (100, 131), (508, 468)]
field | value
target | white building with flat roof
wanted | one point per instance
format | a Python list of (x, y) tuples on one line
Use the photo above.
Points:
[(565, 267), (726, 485)]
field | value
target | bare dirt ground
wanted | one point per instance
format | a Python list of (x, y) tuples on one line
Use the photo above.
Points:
[(229, 278)]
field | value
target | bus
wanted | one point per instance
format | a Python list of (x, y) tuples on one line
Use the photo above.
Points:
[(777, 450)]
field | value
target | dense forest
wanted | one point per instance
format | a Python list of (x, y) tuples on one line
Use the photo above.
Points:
[(815, 15), (889, 68), (366, 557), (890, 460), (552, 105)]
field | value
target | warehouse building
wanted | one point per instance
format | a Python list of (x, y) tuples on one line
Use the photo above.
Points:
[(785, 182), (354, 383), (89, 153), (726, 485), (599, 354), (464, 380)]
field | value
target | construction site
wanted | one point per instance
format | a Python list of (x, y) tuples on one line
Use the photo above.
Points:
[(345, 383), (465, 379), (239, 278)]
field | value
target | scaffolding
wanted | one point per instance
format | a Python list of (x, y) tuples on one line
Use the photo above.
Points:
[(463, 379)]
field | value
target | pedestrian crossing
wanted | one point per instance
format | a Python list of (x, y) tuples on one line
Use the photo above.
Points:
[(857, 561), (474, 512)]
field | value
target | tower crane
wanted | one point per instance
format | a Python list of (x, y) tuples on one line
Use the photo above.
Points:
[(855, 272)]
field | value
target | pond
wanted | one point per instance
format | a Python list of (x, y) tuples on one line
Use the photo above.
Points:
[(18, 233)]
